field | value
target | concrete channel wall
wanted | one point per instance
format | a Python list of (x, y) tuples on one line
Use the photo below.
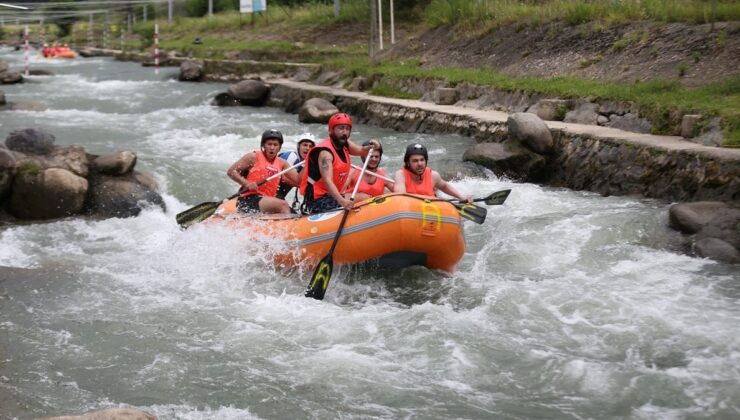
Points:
[(586, 157)]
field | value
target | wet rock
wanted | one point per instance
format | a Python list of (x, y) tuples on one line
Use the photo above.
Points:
[(531, 131), (716, 225), (691, 217), (191, 71), (28, 106), (146, 179), (316, 110), (116, 163), (46, 194), (30, 140), (718, 250), (2, 98), (109, 414), (453, 169), (10, 77), (225, 99), (7, 170), (508, 158), (3, 67), (250, 92), (40, 72), (121, 196)]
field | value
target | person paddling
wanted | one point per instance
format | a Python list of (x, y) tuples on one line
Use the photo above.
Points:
[(371, 185), (257, 166), (417, 178), (305, 142), (328, 167)]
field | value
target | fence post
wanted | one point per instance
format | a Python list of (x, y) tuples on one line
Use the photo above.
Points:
[(25, 56), (156, 48)]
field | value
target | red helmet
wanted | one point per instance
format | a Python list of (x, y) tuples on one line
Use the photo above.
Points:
[(339, 119)]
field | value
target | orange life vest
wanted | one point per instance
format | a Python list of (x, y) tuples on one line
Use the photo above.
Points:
[(373, 190), (340, 169), (261, 170), (425, 188)]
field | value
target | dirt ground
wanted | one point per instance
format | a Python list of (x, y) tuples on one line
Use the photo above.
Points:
[(695, 55)]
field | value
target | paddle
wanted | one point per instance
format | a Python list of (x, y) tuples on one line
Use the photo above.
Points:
[(203, 211), (469, 211), (322, 274)]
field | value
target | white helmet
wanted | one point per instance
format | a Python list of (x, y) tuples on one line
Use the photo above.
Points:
[(307, 137)]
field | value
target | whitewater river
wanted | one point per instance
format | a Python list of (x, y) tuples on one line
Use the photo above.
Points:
[(566, 304)]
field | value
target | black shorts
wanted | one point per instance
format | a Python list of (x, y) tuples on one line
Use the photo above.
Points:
[(249, 204), (323, 204)]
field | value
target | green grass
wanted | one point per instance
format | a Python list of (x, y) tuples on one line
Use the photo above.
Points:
[(491, 14), (655, 99)]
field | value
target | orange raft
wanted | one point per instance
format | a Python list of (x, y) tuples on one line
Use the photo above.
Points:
[(397, 230)]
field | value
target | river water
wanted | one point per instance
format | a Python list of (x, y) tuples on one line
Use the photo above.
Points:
[(566, 304)]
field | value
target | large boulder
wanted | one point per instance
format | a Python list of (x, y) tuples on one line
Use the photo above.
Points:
[(72, 158), (716, 226), (225, 99), (191, 71), (718, 250), (250, 92), (10, 77), (550, 109), (47, 193), (531, 131), (586, 113), (7, 170), (109, 414), (691, 217), (115, 163), (510, 159), (40, 72), (120, 196), (316, 110), (453, 169), (30, 140)]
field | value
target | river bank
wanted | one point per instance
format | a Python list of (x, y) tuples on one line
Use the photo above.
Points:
[(601, 159)]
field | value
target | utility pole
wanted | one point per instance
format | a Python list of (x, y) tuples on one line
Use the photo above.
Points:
[(373, 30), (169, 11), (210, 8), (380, 24), (145, 13), (336, 8)]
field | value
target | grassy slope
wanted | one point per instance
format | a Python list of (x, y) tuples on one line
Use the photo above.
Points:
[(273, 35)]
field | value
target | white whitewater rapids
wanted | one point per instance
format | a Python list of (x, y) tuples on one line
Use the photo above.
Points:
[(566, 304)]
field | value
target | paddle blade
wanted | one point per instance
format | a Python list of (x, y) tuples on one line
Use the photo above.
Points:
[(196, 214), (320, 279), (472, 212), (497, 198)]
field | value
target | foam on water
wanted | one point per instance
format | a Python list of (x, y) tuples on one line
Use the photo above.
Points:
[(563, 305)]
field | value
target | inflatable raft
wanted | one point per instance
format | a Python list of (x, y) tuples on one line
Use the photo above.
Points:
[(396, 230)]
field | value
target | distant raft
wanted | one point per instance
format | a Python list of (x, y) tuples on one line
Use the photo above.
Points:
[(396, 230), (68, 54)]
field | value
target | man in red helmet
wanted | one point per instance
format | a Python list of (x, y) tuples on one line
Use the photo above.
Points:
[(417, 178), (328, 167), (257, 166)]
